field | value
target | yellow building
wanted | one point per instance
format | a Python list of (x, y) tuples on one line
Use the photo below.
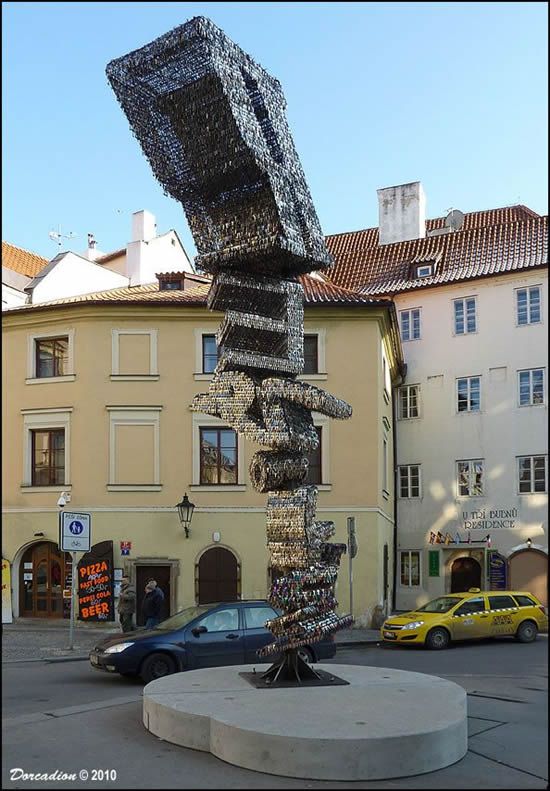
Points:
[(96, 401)]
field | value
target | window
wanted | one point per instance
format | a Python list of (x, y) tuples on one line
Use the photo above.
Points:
[(410, 324), (470, 607), (524, 601), (408, 401), (209, 354), (52, 357), (387, 379), (531, 387), (532, 474), (409, 568), (468, 391), (409, 480), (218, 456), (314, 457), (221, 621), (470, 478), (528, 305), (255, 617), (425, 270), (48, 457), (170, 285), (385, 465), (311, 354), (465, 315), (501, 602)]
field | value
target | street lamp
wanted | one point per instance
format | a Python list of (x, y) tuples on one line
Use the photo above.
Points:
[(185, 511)]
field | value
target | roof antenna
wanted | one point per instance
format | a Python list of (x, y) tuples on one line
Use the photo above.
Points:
[(56, 236)]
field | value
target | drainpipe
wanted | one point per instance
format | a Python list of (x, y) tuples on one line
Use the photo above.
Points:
[(399, 381)]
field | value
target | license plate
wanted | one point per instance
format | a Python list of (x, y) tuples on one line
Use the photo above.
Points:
[(94, 659), (390, 635)]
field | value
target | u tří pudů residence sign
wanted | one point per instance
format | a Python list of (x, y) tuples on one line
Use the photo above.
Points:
[(490, 518)]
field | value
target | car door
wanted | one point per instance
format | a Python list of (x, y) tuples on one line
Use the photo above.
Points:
[(503, 615), (255, 633), (222, 642), (470, 619)]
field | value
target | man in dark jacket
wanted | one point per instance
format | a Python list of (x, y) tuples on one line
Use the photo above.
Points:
[(126, 604), (152, 604)]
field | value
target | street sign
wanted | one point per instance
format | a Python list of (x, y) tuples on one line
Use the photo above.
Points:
[(76, 532)]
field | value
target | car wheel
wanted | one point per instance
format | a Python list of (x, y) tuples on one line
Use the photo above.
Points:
[(157, 666), (527, 632), (306, 655), (437, 639)]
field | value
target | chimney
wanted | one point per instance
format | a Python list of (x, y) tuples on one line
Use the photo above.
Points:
[(140, 267), (144, 227), (92, 252), (401, 213)]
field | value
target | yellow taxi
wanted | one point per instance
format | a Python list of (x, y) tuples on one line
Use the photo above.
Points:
[(467, 616)]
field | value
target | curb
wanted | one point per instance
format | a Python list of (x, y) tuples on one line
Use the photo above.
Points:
[(353, 643), (48, 659)]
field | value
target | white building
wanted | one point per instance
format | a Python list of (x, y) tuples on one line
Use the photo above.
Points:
[(28, 278), (471, 437), (19, 267)]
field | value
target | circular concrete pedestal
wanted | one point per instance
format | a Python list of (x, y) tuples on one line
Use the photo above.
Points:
[(384, 724)]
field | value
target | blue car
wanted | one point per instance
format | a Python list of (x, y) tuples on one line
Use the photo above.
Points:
[(207, 635)]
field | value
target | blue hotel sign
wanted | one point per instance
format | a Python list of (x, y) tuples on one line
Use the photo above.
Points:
[(498, 576)]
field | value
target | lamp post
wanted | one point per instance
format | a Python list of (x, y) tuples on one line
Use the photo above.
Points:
[(185, 511)]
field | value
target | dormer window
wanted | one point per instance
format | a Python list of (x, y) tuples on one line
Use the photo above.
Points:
[(424, 265), (171, 282), (170, 285), (424, 270)]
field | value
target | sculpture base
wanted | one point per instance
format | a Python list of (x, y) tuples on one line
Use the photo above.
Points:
[(382, 724), (290, 669), (321, 679)]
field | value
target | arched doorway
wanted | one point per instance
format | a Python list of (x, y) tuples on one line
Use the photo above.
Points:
[(529, 572), (42, 576), (465, 574), (218, 576)]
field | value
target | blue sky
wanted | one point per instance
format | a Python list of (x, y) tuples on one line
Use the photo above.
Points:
[(452, 94)]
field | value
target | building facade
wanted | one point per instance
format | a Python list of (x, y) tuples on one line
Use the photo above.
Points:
[(471, 414), (97, 406)]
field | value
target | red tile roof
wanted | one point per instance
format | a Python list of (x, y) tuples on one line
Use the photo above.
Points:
[(23, 261), (317, 291), (488, 243)]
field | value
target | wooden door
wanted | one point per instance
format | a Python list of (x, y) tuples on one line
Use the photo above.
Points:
[(42, 576), (162, 575), (218, 573), (529, 572), (465, 574)]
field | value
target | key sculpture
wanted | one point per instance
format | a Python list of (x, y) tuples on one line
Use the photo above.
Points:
[(212, 124)]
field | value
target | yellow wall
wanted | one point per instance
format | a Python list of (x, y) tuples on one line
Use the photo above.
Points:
[(353, 353)]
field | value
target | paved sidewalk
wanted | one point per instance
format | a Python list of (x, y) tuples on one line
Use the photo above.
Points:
[(28, 640)]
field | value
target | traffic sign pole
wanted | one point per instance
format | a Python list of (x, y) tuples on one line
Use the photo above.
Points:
[(74, 582)]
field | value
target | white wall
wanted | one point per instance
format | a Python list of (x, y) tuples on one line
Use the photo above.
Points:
[(161, 254), (12, 297), (498, 434), (73, 275)]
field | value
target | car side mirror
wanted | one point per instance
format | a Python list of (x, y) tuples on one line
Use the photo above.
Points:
[(197, 630)]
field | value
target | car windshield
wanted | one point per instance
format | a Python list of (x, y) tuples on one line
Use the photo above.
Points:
[(182, 618), (443, 604)]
